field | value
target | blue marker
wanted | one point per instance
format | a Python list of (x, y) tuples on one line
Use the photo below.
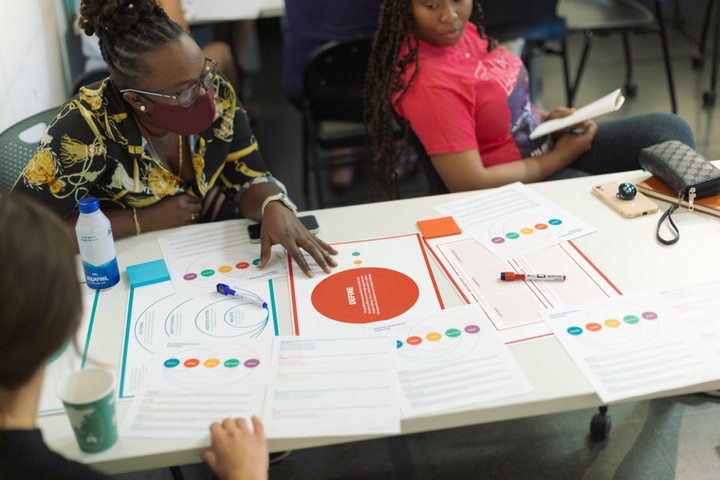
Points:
[(225, 290)]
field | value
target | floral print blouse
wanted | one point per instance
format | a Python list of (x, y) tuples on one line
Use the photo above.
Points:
[(94, 147)]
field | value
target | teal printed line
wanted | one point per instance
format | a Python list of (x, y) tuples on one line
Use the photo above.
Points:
[(90, 329), (272, 303), (127, 341)]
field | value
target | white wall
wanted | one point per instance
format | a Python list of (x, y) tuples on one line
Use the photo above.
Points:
[(32, 58)]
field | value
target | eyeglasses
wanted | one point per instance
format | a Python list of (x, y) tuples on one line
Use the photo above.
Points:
[(187, 97)]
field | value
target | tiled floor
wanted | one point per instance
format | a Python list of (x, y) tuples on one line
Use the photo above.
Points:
[(674, 438)]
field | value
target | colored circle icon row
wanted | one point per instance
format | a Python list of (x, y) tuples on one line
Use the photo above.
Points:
[(612, 323), (211, 363), (224, 269), (437, 336), (527, 231)]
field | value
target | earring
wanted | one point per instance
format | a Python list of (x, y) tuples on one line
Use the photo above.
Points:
[(142, 108)]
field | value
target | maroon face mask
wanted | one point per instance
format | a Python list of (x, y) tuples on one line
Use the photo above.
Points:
[(189, 120)]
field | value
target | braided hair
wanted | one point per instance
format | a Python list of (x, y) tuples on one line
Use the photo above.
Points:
[(384, 77), (127, 29)]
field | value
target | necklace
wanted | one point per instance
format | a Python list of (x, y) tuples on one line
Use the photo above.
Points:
[(167, 164)]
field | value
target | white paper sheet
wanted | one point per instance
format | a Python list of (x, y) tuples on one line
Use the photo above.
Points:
[(633, 345), (200, 257), (157, 316), (452, 359), (68, 360), (609, 103), (331, 387), (699, 305), (514, 220), (376, 285), (190, 386), (513, 307)]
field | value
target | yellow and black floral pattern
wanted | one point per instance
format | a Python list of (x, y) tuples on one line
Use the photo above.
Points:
[(94, 147)]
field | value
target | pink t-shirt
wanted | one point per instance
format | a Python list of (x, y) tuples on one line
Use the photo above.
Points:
[(466, 98)]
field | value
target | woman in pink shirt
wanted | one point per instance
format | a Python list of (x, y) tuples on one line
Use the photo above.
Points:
[(467, 99)]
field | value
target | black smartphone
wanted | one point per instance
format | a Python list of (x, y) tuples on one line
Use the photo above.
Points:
[(309, 221)]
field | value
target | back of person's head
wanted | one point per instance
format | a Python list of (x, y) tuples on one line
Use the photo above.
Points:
[(127, 29), (40, 303)]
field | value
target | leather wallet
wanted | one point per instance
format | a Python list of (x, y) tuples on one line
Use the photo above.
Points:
[(683, 169)]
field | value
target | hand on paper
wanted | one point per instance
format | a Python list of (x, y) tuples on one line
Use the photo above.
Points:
[(281, 226), (237, 453)]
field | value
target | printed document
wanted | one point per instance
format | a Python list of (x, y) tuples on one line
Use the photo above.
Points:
[(514, 220), (633, 345)]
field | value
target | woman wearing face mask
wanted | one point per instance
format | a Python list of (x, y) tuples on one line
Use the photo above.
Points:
[(163, 142)]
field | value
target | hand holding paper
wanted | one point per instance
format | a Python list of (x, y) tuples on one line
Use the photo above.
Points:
[(609, 103)]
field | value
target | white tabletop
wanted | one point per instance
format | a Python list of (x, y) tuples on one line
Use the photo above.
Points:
[(212, 11), (623, 249)]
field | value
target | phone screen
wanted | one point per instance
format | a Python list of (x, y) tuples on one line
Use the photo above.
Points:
[(309, 221)]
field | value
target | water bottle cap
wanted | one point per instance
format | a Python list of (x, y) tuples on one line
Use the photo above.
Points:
[(88, 205)]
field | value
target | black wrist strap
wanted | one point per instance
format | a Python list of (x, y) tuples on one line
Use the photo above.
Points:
[(666, 216)]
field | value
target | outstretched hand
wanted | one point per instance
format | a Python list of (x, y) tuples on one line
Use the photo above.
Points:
[(237, 453), (280, 226)]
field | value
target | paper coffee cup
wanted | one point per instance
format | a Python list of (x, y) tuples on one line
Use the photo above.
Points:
[(89, 399)]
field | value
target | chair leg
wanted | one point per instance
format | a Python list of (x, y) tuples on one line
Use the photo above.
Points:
[(630, 86), (306, 164), (320, 185), (699, 60), (176, 473), (666, 53), (710, 96), (581, 67), (569, 88)]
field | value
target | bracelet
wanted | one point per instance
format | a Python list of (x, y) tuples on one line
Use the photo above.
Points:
[(137, 224)]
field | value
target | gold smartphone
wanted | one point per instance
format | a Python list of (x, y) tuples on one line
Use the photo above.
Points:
[(636, 207)]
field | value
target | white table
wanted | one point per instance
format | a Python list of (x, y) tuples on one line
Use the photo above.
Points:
[(213, 11), (624, 249)]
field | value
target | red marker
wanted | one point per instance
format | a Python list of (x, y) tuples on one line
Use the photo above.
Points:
[(510, 276)]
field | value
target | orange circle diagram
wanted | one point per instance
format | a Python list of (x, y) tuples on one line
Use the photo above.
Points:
[(365, 295)]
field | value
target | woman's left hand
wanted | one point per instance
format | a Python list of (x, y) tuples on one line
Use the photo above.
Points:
[(280, 226)]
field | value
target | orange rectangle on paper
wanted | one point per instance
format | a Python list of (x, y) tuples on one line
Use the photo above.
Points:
[(438, 227)]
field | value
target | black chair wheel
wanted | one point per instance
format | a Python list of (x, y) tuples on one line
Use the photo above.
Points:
[(709, 98), (600, 427), (698, 61), (631, 89)]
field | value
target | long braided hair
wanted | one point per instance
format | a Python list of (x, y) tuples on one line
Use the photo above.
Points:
[(127, 29), (384, 77)]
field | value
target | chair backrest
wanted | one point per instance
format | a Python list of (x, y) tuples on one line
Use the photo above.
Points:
[(19, 143), (334, 80), (435, 184), (536, 20), (88, 78)]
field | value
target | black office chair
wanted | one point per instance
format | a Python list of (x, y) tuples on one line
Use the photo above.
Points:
[(538, 23), (88, 78), (19, 143), (624, 16), (332, 107)]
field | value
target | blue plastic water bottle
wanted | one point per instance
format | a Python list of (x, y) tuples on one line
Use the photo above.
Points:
[(97, 247)]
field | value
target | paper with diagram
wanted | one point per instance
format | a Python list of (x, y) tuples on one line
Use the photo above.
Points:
[(633, 345)]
